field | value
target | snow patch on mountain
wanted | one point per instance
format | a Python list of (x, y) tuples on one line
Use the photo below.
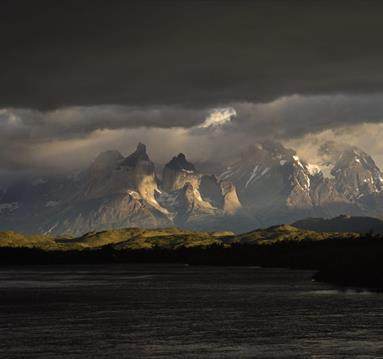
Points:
[(252, 175), (256, 174), (51, 229)]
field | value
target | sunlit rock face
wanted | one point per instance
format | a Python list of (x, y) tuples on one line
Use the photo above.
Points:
[(222, 194), (112, 173), (115, 211), (231, 204), (115, 192), (267, 184), (354, 171), (191, 209), (267, 174), (211, 191), (178, 172), (272, 181), (181, 193)]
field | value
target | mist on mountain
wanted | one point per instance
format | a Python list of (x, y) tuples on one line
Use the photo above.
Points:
[(262, 185)]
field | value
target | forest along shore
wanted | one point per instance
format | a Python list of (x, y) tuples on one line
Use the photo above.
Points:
[(348, 259)]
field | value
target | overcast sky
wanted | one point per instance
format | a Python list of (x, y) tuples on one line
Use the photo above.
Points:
[(201, 77)]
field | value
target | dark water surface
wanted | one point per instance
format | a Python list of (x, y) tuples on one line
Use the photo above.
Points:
[(174, 311)]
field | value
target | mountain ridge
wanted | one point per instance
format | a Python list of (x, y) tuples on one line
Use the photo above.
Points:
[(170, 238), (266, 185), (361, 225)]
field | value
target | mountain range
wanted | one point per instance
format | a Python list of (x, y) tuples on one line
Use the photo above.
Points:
[(343, 223), (265, 185)]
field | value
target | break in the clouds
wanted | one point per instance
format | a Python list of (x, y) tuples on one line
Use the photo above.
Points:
[(218, 117), (71, 137), (201, 77)]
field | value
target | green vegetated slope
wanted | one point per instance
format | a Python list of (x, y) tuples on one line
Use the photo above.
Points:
[(340, 257), (134, 238), (167, 238), (129, 238), (286, 232), (18, 240)]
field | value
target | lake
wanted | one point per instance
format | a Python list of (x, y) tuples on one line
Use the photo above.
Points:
[(177, 311)]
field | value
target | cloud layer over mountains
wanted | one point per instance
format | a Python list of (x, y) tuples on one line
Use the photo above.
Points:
[(79, 77), (71, 137)]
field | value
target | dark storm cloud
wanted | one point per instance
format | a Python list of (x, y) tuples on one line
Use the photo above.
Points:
[(81, 120), (23, 131), (285, 117), (78, 77), (197, 53), (295, 116), (75, 134)]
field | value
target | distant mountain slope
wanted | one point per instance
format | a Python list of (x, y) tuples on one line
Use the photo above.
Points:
[(341, 224), (118, 192), (166, 238), (286, 232), (275, 185), (121, 239), (267, 184)]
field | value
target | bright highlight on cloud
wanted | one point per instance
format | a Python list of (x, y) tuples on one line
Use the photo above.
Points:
[(218, 117), (71, 137)]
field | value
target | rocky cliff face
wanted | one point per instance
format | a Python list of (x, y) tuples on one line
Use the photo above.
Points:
[(117, 191), (268, 184), (178, 172), (269, 175), (114, 192), (222, 194), (231, 204), (274, 182), (192, 197), (354, 171)]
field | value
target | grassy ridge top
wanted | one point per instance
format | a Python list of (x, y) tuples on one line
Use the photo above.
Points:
[(167, 238), (286, 232)]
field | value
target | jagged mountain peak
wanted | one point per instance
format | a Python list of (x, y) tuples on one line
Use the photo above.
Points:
[(138, 155), (271, 176), (354, 156), (344, 155), (180, 163), (141, 147), (179, 171), (257, 162), (268, 184), (277, 149), (267, 151), (354, 171)]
